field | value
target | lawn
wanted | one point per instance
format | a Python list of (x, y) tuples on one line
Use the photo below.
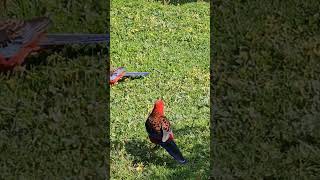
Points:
[(266, 89), (53, 115), (172, 43)]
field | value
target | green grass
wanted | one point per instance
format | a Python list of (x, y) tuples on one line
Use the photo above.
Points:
[(172, 43), (266, 95), (52, 116)]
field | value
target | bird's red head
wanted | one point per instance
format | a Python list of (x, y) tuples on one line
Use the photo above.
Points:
[(159, 107)]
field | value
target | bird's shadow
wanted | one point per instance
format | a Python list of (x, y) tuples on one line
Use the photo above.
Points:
[(197, 155), (129, 78), (143, 152), (197, 165)]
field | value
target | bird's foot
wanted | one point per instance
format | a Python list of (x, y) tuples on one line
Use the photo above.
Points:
[(156, 147), (20, 69)]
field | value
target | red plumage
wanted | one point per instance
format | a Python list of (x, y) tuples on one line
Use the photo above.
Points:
[(116, 75), (19, 38), (28, 33), (159, 131), (158, 122)]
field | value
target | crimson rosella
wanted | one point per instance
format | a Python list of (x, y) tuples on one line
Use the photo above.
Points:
[(119, 73), (18, 38), (160, 133)]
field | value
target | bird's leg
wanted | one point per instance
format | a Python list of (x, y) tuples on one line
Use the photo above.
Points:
[(164, 2), (151, 153), (156, 147), (36, 48), (20, 69)]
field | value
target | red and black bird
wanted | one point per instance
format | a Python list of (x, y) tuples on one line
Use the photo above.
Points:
[(19, 38), (160, 132), (120, 72)]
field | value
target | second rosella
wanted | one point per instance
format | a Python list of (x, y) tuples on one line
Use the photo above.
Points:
[(120, 72), (19, 38)]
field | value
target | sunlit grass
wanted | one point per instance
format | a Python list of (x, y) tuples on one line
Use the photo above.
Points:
[(172, 43)]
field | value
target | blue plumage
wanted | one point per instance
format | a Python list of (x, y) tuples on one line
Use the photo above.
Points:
[(160, 133), (79, 38), (173, 150)]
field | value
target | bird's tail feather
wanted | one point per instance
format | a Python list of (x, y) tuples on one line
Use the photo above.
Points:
[(61, 39), (173, 150), (136, 74)]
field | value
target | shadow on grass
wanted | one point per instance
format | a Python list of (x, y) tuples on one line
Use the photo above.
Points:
[(197, 157), (189, 130), (129, 78), (142, 152)]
